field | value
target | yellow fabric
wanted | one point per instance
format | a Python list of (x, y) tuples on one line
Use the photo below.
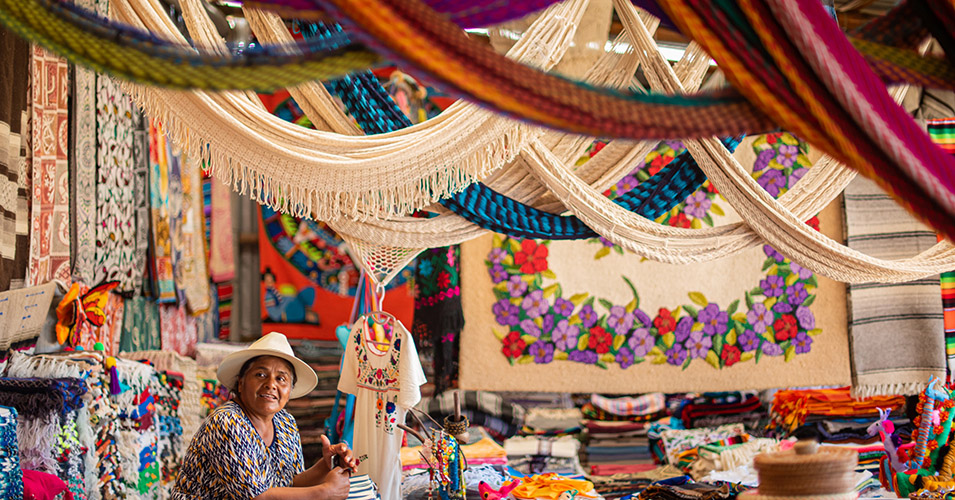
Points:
[(551, 485), (485, 448)]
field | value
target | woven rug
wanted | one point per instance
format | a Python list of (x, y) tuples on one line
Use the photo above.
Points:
[(895, 329), (14, 85), (50, 202), (585, 316)]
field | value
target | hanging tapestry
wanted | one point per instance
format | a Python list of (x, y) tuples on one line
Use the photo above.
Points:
[(438, 317), (140, 325), (191, 272), (14, 90), (224, 300), (586, 316), (895, 329), (177, 329), (942, 132), (50, 233), (140, 190), (221, 252), (83, 174), (159, 187)]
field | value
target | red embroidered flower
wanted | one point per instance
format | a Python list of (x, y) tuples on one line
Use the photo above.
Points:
[(680, 220), (813, 223), (444, 279), (532, 258), (597, 147), (772, 138), (785, 327), (513, 345), (665, 322), (711, 188), (658, 163), (730, 355), (599, 340)]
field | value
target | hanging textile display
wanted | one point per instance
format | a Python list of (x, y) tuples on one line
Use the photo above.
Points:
[(438, 316), (221, 252), (889, 324), (162, 217), (50, 231), (83, 155), (140, 330), (942, 132), (191, 271), (177, 329), (617, 325), (14, 93)]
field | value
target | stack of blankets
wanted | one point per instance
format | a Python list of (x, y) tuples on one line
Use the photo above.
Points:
[(713, 409), (11, 477), (616, 428), (311, 411)]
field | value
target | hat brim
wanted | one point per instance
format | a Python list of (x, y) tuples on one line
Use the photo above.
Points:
[(228, 372)]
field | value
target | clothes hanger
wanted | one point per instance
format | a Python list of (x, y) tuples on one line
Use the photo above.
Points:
[(379, 317)]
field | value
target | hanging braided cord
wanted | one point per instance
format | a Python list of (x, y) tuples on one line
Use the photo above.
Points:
[(136, 55)]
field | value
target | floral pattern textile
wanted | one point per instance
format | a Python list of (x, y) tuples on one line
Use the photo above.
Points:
[(177, 329), (191, 272), (140, 326), (439, 317), (159, 187), (50, 231), (83, 170), (221, 256)]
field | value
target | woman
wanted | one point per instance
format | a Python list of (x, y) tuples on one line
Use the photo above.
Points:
[(249, 448)]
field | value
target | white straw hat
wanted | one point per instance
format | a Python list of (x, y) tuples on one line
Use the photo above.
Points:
[(273, 344)]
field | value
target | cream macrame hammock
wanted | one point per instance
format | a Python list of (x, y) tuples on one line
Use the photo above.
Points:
[(342, 185)]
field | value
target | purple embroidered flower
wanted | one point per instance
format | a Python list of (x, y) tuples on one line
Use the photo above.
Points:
[(534, 304), (771, 252), (625, 358), (626, 184), (782, 308), (565, 335), (605, 242), (748, 341), (802, 272), (641, 342), (498, 274), (496, 256), (675, 145), (588, 317), (787, 155), (543, 352), (682, 331), (516, 286), (547, 325), (505, 313), (588, 357), (620, 320), (773, 285), (796, 175), (714, 320), (771, 349), (642, 318), (759, 317), (698, 344), (528, 327), (697, 204), (763, 159), (563, 307), (676, 355), (806, 319), (802, 343), (797, 293), (772, 181)]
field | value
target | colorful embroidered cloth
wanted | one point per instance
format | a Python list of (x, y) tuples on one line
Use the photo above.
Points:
[(11, 476), (191, 271), (791, 408), (178, 329), (162, 217), (50, 231), (140, 325), (677, 441), (438, 316), (942, 133), (647, 404), (14, 122), (221, 256)]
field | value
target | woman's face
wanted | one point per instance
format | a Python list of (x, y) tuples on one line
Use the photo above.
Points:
[(265, 386)]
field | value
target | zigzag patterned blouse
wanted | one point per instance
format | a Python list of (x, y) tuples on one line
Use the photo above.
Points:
[(228, 460)]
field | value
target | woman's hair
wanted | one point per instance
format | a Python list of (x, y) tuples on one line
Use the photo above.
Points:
[(248, 363)]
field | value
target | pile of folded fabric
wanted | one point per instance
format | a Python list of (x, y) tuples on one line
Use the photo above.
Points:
[(541, 454), (500, 418), (616, 428), (615, 481), (712, 409), (552, 422), (11, 477)]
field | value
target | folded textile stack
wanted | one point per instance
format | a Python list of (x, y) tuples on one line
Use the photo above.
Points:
[(683, 489), (682, 446), (311, 411), (485, 409), (540, 454), (645, 408), (718, 408), (615, 442), (794, 408), (362, 487), (552, 421), (11, 477), (481, 450), (615, 481)]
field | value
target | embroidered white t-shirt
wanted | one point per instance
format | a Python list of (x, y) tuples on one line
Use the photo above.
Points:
[(385, 385)]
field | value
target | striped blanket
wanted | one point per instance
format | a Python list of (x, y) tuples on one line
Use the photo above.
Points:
[(942, 133)]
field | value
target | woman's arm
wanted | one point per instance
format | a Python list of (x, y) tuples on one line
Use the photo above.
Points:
[(313, 475), (316, 473), (334, 487)]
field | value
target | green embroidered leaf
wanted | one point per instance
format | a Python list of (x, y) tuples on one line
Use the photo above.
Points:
[(749, 301), (698, 298), (547, 273), (659, 360), (814, 332), (812, 280), (525, 359), (708, 220), (497, 333), (633, 290), (783, 269), (578, 298), (606, 303), (746, 356), (514, 245), (639, 360), (560, 355), (790, 353), (607, 357), (642, 175), (601, 364), (808, 302), (731, 337), (618, 249), (549, 291), (787, 171), (756, 291), (718, 343), (733, 307), (792, 279), (686, 363), (582, 342), (713, 359), (618, 342), (529, 339), (631, 306), (691, 310), (590, 301), (759, 354), (510, 360), (669, 339), (499, 295), (716, 209), (768, 262)]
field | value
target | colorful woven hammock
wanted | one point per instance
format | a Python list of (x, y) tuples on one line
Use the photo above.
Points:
[(132, 54)]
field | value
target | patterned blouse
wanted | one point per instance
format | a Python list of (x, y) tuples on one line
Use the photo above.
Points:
[(228, 460)]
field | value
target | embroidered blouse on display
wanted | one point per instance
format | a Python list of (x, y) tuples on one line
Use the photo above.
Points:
[(228, 460)]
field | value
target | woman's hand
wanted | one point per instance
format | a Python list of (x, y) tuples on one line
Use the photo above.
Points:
[(336, 485), (341, 450)]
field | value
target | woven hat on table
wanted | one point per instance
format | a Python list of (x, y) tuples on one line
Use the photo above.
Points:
[(806, 471)]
